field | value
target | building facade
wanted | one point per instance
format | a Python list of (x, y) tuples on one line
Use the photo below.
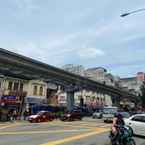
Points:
[(90, 99), (76, 69), (96, 74), (133, 84), (101, 75), (19, 94)]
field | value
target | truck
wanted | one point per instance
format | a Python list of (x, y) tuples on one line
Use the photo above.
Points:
[(109, 112)]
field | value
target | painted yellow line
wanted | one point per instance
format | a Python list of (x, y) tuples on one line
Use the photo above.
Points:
[(106, 126), (64, 124), (8, 126), (74, 126), (77, 137), (88, 126), (41, 132)]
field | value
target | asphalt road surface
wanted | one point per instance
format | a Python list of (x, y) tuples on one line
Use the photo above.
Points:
[(86, 132)]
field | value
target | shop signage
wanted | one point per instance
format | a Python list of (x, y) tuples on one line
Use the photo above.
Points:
[(8, 100)]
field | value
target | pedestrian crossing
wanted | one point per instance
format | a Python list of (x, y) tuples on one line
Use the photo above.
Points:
[(82, 124), (57, 123)]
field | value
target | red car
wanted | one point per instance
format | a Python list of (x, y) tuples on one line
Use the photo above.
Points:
[(42, 116)]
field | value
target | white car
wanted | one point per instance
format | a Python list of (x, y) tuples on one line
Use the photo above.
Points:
[(97, 114), (137, 123)]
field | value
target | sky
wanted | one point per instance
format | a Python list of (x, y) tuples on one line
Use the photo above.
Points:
[(85, 32)]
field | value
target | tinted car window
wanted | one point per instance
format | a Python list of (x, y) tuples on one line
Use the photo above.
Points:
[(41, 113), (125, 114), (139, 118), (144, 119)]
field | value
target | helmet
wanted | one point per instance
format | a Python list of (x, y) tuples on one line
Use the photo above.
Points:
[(119, 115)]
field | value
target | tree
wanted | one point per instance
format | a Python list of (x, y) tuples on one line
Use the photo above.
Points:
[(142, 94)]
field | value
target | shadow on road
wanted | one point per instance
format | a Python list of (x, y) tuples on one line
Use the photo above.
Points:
[(139, 136)]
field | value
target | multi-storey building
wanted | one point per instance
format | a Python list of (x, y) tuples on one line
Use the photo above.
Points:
[(19, 94), (133, 84), (100, 74), (96, 74), (76, 69)]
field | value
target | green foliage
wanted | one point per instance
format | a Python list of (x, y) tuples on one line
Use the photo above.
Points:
[(142, 95)]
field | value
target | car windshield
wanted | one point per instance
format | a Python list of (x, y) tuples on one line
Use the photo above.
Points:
[(40, 113), (109, 110)]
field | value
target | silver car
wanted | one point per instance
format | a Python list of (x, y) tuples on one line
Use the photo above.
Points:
[(97, 114)]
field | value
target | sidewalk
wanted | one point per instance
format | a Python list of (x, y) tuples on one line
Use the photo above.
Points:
[(12, 122)]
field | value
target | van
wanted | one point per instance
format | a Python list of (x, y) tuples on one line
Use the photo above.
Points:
[(108, 113)]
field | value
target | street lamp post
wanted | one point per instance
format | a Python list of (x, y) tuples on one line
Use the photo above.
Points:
[(132, 12)]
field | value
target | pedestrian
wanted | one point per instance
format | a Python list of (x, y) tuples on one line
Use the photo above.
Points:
[(10, 115), (14, 115)]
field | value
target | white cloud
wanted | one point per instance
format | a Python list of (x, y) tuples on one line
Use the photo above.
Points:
[(133, 37), (89, 53), (26, 6), (57, 41)]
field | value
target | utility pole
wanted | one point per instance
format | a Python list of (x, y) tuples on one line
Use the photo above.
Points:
[(132, 12)]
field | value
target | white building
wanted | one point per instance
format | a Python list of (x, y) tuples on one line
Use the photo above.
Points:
[(76, 69), (96, 74)]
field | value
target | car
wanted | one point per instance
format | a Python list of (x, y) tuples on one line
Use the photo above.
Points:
[(97, 114), (42, 116), (85, 111), (137, 123), (124, 114), (71, 116)]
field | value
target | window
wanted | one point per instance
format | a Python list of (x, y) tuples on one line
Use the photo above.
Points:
[(144, 119), (139, 118), (35, 90), (10, 85), (16, 86), (41, 91)]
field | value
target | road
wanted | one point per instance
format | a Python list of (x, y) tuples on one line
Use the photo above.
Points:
[(86, 132)]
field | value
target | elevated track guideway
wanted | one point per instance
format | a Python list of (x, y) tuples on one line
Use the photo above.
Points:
[(12, 64)]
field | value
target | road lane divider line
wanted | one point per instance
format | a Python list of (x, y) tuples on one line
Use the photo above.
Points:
[(90, 125), (9, 126), (106, 126), (77, 137), (42, 132), (74, 126)]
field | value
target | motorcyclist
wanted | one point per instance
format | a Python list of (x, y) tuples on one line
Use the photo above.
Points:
[(119, 132), (117, 121)]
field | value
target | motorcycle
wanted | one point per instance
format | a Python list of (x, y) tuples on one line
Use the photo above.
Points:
[(123, 137)]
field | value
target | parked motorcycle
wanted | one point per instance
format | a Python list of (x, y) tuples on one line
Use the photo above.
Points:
[(123, 137)]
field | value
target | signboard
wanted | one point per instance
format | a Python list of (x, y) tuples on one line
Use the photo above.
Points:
[(62, 100), (34, 100), (8, 100)]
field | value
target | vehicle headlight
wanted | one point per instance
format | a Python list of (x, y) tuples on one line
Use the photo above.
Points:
[(68, 115)]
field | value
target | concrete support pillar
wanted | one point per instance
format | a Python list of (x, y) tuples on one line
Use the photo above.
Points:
[(108, 100), (115, 100), (70, 100)]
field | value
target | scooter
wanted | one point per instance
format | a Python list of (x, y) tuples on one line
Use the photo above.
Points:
[(123, 137)]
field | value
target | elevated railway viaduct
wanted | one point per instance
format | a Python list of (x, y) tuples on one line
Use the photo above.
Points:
[(12, 64)]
